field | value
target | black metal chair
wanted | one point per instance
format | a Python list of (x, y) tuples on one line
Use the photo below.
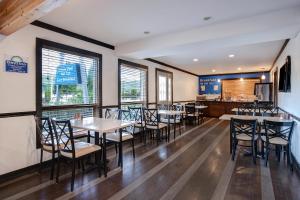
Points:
[(278, 134), (71, 150), (152, 123), (175, 120), (48, 140), (268, 111), (127, 133), (136, 113), (191, 113), (111, 113), (245, 131), (247, 109)]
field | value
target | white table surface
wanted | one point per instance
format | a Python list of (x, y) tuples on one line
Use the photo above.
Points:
[(201, 107), (258, 118), (256, 110), (100, 125), (170, 112)]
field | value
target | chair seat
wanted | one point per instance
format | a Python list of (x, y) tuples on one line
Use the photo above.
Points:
[(245, 137), (160, 126), (81, 149), (48, 145), (275, 140), (172, 121), (116, 137)]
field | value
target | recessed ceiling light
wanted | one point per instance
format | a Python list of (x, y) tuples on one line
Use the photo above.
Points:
[(219, 80), (241, 79), (213, 70), (206, 18), (195, 59), (231, 55), (239, 69), (146, 32)]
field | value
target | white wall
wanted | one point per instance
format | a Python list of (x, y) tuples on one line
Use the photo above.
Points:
[(17, 92), (290, 101)]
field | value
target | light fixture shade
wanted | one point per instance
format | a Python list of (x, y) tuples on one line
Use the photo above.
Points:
[(263, 77), (241, 79)]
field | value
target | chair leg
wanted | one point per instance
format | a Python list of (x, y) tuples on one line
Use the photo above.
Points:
[(233, 149), (262, 149), (180, 126), (267, 155), (73, 174), (174, 130), (116, 148), (52, 166), (157, 135), (133, 150), (99, 153), (254, 144), (58, 168), (41, 161), (82, 165), (89, 137)]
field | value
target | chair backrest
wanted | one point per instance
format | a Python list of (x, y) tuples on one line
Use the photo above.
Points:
[(268, 111), (136, 114), (111, 113), (45, 131), (126, 116), (241, 126), (247, 109), (164, 107), (64, 132), (190, 109), (275, 129), (151, 117)]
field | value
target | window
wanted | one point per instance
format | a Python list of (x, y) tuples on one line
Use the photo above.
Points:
[(68, 81), (164, 87), (133, 89)]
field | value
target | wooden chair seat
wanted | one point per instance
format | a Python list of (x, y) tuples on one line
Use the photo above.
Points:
[(276, 141), (245, 137), (160, 126), (115, 137), (81, 149)]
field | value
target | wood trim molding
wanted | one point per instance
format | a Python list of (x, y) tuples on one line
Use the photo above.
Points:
[(71, 34), (18, 13), (156, 80), (279, 53), (110, 106), (17, 114), (290, 114), (170, 66), (234, 73)]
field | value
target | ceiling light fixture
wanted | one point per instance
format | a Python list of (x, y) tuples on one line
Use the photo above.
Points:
[(231, 55), (195, 59), (206, 18), (263, 77), (239, 69), (146, 32), (219, 80), (241, 79), (213, 70)]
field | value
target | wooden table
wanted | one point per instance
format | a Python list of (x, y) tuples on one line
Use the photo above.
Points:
[(170, 113), (201, 107), (101, 126)]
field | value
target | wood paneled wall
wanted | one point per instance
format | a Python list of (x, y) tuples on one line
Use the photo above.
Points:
[(238, 88)]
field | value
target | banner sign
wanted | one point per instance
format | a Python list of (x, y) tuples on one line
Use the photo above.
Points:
[(68, 74), (16, 64)]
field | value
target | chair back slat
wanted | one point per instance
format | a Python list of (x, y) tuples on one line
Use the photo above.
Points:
[(268, 111), (125, 116), (247, 109), (136, 114), (241, 126), (45, 131)]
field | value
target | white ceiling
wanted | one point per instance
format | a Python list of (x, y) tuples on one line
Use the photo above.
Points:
[(254, 29)]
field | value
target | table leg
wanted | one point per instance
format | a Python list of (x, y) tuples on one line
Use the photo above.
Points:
[(96, 143), (104, 154), (120, 150), (169, 128)]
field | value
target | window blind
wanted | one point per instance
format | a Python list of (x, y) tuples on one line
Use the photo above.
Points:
[(68, 79), (133, 86)]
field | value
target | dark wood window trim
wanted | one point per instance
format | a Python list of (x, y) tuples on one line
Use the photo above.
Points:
[(71, 34), (156, 86), (41, 43), (120, 62)]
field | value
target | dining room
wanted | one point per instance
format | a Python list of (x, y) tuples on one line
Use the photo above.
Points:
[(149, 99)]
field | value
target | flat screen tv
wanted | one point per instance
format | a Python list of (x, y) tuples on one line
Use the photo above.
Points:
[(285, 76), (282, 79)]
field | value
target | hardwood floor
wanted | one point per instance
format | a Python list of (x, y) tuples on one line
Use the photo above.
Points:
[(197, 165)]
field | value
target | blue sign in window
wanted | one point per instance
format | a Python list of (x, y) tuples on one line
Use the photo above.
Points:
[(68, 74)]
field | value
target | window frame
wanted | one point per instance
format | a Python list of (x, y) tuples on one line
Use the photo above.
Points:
[(41, 43), (157, 70), (134, 65)]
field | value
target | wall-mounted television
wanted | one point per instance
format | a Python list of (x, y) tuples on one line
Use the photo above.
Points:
[(285, 76)]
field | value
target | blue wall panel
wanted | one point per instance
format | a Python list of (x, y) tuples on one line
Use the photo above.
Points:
[(208, 84)]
